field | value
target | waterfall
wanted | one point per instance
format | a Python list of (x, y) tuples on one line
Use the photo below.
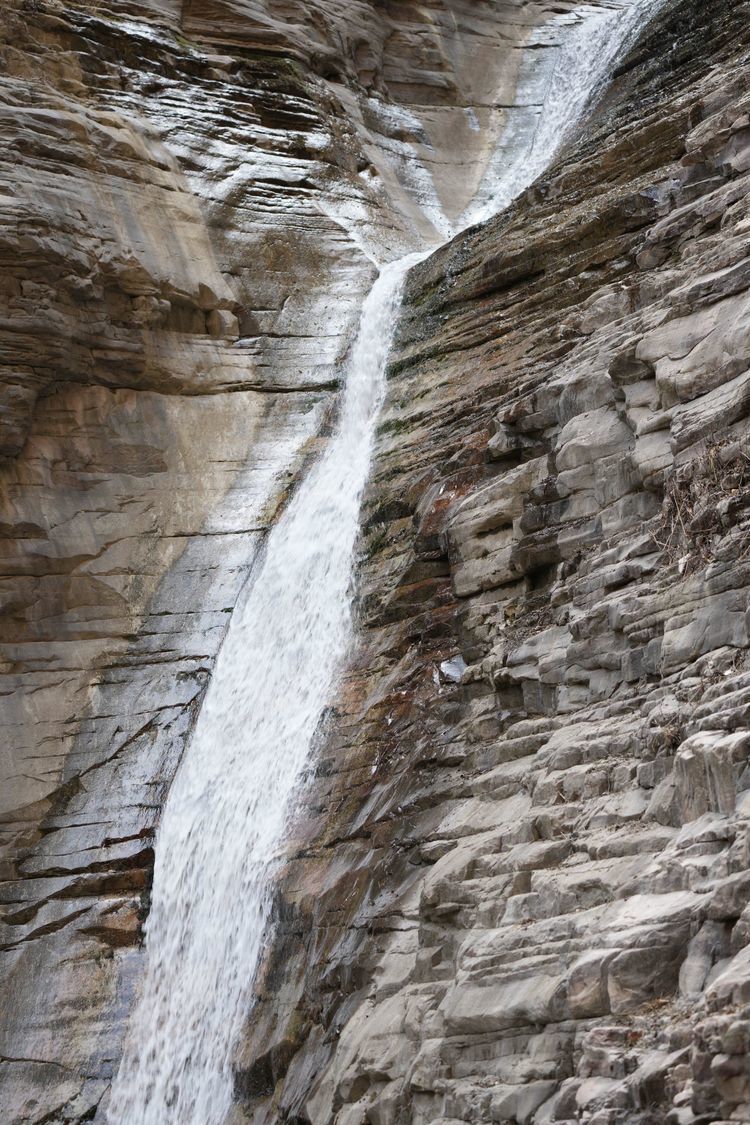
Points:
[(226, 812), (224, 819), (577, 72)]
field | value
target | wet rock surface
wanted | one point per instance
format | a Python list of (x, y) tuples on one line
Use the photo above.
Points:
[(518, 892)]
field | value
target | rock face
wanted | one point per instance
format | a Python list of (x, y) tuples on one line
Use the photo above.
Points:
[(192, 196), (519, 890)]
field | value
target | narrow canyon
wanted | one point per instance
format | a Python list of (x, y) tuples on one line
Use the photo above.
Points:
[(375, 506)]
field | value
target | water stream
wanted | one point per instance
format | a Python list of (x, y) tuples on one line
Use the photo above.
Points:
[(599, 36), (225, 817)]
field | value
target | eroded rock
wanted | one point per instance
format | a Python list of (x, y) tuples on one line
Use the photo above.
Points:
[(522, 897)]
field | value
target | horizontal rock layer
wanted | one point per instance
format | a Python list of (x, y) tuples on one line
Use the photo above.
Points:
[(518, 892)]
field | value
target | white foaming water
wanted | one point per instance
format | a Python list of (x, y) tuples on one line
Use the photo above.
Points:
[(225, 817), (226, 812), (581, 66)]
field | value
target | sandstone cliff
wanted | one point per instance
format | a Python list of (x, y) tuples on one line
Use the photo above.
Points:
[(192, 195), (520, 894)]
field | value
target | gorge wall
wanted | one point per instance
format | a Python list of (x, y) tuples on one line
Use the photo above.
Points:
[(191, 198), (519, 889), (518, 892)]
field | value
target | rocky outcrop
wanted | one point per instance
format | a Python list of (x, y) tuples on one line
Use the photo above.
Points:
[(518, 892), (192, 195)]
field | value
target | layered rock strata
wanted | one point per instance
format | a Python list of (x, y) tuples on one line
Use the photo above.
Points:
[(192, 196), (519, 890)]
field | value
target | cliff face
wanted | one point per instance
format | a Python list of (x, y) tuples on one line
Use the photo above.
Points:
[(191, 198), (519, 889)]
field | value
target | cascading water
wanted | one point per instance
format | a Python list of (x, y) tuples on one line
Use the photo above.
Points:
[(226, 812), (225, 816), (580, 67)]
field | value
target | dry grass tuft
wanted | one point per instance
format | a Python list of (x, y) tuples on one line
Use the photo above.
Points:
[(706, 510)]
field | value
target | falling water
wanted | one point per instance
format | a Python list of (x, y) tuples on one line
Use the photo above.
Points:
[(226, 813), (579, 69)]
